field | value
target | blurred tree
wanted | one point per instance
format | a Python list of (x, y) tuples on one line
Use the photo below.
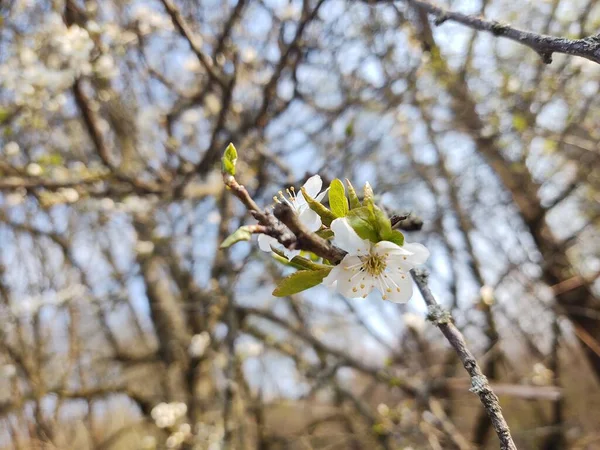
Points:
[(123, 325)]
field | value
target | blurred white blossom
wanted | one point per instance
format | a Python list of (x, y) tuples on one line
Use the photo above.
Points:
[(199, 344), (11, 148), (167, 414), (144, 247), (414, 321), (34, 169)]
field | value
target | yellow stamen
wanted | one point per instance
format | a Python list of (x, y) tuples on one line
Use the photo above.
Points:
[(374, 264)]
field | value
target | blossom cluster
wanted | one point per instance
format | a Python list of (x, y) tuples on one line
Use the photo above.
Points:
[(166, 415), (376, 256), (39, 73)]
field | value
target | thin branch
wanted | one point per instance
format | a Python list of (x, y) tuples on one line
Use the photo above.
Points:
[(310, 241), (479, 383)]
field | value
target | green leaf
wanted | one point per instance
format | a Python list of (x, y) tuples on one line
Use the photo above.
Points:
[(354, 201), (362, 221), (229, 159), (326, 216), (368, 195), (241, 234), (337, 198), (381, 221), (300, 281), (396, 237)]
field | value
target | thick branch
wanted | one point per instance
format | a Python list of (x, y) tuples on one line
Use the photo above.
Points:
[(544, 45), (305, 239)]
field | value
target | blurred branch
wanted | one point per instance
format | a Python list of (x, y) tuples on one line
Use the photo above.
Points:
[(185, 30)]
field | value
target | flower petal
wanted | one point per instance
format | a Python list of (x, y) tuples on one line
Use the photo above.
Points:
[(389, 248), (398, 287), (331, 279), (346, 238), (321, 195), (420, 254), (354, 287), (310, 219), (265, 242), (313, 185)]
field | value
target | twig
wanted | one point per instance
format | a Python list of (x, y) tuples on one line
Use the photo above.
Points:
[(442, 319), (304, 238), (544, 45), (479, 383)]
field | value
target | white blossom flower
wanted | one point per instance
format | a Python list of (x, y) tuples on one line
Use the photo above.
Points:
[(382, 265), (414, 321), (307, 216), (167, 414), (34, 169), (144, 248), (12, 148), (199, 344)]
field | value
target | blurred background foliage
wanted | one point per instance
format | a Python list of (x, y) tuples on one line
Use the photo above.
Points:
[(122, 326)]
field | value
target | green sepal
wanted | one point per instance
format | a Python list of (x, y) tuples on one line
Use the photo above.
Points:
[(368, 195), (381, 221), (326, 216), (229, 159), (299, 261), (325, 233), (354, 201), (396, 237), (300, 281)]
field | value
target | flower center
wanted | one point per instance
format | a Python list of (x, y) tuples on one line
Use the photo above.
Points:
[(290, 199), (374, 264)]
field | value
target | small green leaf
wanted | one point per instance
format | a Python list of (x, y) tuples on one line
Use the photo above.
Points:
[(362, 221), (300, 281), (241, 234), (337, 198), (396, 237), (229, 159), (326, 216), (368, 195), (354, 201)]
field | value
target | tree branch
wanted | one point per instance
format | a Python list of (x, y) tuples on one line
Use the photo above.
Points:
[(479, 383), (544, 45), (443, 320)]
